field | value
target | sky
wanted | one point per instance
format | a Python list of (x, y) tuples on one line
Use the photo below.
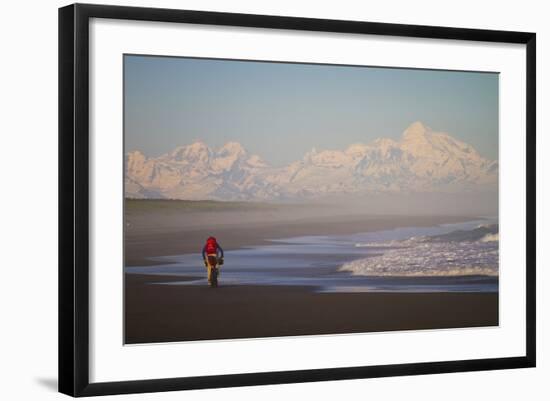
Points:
[(282, 110)]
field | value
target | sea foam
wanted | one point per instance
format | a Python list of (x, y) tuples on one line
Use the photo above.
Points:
[(460, 253)]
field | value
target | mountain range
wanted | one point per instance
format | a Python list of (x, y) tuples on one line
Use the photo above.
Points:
[(422, 160)]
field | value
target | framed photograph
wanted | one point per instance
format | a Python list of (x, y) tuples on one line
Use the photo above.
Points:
[(251, 199)]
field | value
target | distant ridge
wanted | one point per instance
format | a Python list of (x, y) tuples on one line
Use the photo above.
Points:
[(421, 161)]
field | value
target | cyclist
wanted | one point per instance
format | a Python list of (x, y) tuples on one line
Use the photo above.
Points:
[(212, 254)]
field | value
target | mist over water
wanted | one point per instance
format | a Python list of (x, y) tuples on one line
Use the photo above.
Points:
[(419, 203)]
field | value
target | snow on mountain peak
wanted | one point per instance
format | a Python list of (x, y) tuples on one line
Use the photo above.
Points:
[(256, 161), (356, 149), (228, 156), (233, 148), (415, 131), (195, 147), (423, 160), (135, 160), (198, 150), (135, 155), (384, 143)]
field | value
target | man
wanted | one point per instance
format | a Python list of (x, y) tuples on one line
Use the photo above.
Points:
[(212, 254)]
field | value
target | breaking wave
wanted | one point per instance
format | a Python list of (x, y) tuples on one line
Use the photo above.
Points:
[(490, 238), (459, 253)]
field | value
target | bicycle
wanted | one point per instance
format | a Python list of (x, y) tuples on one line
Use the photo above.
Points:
[(214, 267)]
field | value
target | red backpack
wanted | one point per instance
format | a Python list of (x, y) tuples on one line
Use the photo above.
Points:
[(211, 245)]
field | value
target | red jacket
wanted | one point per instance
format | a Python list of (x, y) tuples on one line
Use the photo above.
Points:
[(211, 247)]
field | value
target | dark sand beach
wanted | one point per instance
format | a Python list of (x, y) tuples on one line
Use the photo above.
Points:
[(167, 313), (164, 313)]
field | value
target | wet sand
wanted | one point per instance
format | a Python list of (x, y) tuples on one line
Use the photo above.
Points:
[(167, 313)]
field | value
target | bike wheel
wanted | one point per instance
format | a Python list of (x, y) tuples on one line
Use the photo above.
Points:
[(214, 278)]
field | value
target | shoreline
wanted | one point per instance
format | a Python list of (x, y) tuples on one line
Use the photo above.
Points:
[(140, 245)]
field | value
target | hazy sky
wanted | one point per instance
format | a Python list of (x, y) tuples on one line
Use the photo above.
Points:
[(280, 111)]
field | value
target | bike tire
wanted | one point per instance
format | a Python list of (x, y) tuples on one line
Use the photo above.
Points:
[(214, 278)]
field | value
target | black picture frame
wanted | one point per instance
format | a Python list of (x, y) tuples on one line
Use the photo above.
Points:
[(74, 198)]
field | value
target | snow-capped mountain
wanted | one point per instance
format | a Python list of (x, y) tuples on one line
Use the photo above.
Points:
[(421, 161)]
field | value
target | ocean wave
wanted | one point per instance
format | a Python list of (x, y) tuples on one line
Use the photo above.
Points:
[(483, 233), (490, 238), (388, 244), (459, 253), (466, 235)]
